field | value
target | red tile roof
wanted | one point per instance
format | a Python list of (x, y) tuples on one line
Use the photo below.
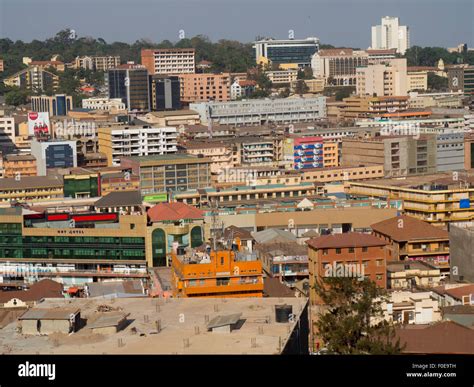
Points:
[(351, 239), (43, 289), (460, 292), (406, 228), (173, 211)]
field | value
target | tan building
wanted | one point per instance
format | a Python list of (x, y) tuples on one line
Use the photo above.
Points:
[(19, 166), (32, 188), (334, 174), (417, 79), (204, 87), (179, 118), (361, 107), (279, 77), (383, 79), (438, 199), (221, 154), (169, 60), (46, 64), (407, 275), (314, 85), (330, 154)]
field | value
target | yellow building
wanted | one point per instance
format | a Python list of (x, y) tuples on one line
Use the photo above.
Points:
[(330, 154), (19, 166), (31, 188)]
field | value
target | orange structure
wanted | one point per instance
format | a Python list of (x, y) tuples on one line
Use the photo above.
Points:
[(222, 273)]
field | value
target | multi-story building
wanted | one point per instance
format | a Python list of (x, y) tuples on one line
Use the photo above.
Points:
[(17, 165), (174, 227), (107, 104), (461, 239), (364, 107), (97, 63), (461, 78), (290, 51), (407, 275), (437, 100), (281, 77), (7, 133), (222, 273), (130, 83), (315, 86), (417, 79), (204, 87), (222, 154), (450, 151), (53, 154), (117, 141), (33, 189), (308, 152), (383, 79), (335, 174), (381, 56), (169, 60), (165, 92), (438, 199), (364, 254), (47, 64), (262, 111), (338, 66), (242, 88), (34, 78), (400, 155), (390, 34), (161, 174), (410, 239), (57, 105)]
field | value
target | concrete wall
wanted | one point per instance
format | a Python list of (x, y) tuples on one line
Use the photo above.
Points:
[(461, 248)]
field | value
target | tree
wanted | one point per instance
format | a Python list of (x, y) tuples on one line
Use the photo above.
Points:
[(301, 87), (16, 97), (353, 321), (437, 83)]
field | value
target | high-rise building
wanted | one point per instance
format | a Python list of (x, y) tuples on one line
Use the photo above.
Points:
[(57, 105), (53, 154), (117, 141), (294, 51), (390, 34), (34, 78), (461, 78), (205, 87), (97, 63), (169, 60), (130, 83), (380, 80), (165, 92)]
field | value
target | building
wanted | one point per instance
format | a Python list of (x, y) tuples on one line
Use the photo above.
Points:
[(35, 79), (17, 165), (400, 155), (262, 111), (411, 307), (381, 56), (438, 199), (138, 140), (168, 61), (364, 254), (408, 275), (106, 104), (204, 87), (417, 79), (380, 80), (462, 253), (390, 34), (315, 86), (338, 66), (461, 78), (7, 133), (412, 239), (282, 77), (450, 152), (33, 295), (308, 152), (53, 154), (165, 92), (222, 273), (175, 227), (176, 118), (370, 107), (437, 100), (46, 64), (222, 154), (97, 63), (57, 105), (49, 321), (335, 174), (130, 83), (290, 51), (242, 89), (32, 188), (161, 174)]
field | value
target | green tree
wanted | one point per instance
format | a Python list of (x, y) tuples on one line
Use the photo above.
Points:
[(301, 87), (16, 97), (437, 83), (353, 321)]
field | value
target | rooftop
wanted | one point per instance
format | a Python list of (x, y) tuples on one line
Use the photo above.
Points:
[(350, 239), (118, 198), (406, 228), (173, 212)]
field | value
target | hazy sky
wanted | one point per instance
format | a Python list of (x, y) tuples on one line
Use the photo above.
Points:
[(442, 23)]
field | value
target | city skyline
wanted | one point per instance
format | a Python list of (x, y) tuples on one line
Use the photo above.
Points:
[(165, 20)]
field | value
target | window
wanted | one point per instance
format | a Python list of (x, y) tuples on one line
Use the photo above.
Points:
[(365, 249), (325, 251), (338, 251), (351, 249)]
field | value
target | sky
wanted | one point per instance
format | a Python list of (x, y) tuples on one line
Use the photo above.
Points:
[(444, 23)]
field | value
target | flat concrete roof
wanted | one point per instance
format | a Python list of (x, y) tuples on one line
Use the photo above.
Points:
[(183, 322)]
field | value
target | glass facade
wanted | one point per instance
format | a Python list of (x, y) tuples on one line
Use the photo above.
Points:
[(59, 156), (291, 54), (14, 245)]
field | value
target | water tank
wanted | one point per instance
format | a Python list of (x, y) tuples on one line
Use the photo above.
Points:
[(282, 313)]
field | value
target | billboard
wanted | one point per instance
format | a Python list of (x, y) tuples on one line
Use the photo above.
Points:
[(38, 124)]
